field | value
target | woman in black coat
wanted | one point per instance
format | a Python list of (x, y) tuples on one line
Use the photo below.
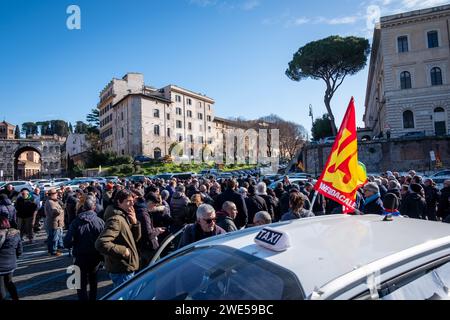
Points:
[(10, 249)]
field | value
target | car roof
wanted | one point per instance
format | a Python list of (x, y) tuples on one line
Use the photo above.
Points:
[(325, 248)]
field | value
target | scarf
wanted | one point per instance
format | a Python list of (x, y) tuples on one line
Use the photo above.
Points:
[(372, 198)]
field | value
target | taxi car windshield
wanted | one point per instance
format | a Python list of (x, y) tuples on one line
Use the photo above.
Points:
[(212, 273)]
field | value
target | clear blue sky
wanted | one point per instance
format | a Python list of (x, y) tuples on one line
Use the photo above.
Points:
[(233, 51)]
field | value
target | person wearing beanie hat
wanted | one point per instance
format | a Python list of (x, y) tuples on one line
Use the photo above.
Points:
[(414, 204), (372, 200), (391, 203)]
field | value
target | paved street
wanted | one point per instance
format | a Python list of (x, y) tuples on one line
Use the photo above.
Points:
[(43, 277)]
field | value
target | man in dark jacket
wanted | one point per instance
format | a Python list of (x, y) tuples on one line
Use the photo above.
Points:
[(26, 212), (279, 190), (225, 218), (394, 188), (205, 227), (117, 242), (178, 206), (71, 207), (148, 243), (261, 190), (10, 192), (10, 249), (81, 236), (8, 210), (230, 194), (414, 205), (444, 201), (205, 196), (372, 200), (254, 203), (431, 197)]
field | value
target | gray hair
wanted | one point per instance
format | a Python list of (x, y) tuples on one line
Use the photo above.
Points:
[(165, 194), (372, 186), (180, 188), (90, 203), (203, 210), (393, 184), (263, 216), (261, 188), (377, 181)]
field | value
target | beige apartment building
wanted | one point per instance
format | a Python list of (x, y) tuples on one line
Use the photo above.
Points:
[(136, 119), (408, 88)]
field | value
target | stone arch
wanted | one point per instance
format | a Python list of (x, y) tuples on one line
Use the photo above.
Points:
[(20, 168)]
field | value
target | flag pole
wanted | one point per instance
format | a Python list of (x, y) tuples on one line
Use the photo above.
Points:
[(313, 201)]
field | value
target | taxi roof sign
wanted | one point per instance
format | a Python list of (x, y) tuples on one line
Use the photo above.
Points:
[(273, 239)]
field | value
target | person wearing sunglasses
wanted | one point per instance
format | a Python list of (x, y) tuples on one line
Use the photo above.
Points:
[(203, 228)]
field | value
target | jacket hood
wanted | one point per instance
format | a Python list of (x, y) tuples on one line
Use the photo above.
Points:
[(87, 216)]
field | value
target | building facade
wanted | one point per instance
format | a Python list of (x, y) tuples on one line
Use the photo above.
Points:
[(408, 90), (77, 148), (136, 119), (7, 130), (29, 165)]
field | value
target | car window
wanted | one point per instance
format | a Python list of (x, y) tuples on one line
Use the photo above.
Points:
[(432, 283), (213, 273)]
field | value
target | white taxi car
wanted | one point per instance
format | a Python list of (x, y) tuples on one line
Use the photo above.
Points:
[(329, 257)]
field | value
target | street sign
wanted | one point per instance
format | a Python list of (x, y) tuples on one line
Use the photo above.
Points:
[(432, 156)]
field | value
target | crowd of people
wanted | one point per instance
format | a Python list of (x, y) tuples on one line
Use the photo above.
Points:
[(121, 226)]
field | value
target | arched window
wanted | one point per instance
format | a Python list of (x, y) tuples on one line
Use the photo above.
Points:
[(436, 76), (405, 80), (156, 130), (157, 153), (408, 119)]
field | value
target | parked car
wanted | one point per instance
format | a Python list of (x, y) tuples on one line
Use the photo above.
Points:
[(43, 183), (183, 175), (75, 183), (137, 178), (113, 179), (59, 181), (305, 259), (295, 181), (413, 135), (164, 176), (142, 159), (19, 185)]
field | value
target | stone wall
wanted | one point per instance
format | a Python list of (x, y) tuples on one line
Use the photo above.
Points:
[(50, 152), (393, 155)]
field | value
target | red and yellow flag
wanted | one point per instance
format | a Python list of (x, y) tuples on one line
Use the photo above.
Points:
[(343, 174)]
